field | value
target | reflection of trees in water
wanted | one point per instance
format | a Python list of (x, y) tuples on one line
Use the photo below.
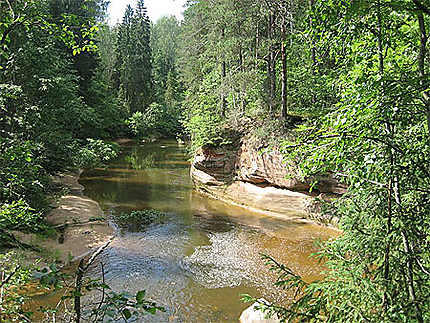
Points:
[(112, 196), (105, 199), (140, 160)]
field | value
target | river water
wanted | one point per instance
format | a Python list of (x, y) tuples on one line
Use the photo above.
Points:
[(204, 254)]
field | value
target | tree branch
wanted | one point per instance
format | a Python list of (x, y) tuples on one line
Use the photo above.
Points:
[(4, 282), (422, 7), (79, 277)]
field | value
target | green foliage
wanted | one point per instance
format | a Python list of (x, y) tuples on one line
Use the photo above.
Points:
[(95, 153), (19, 216), (164, 44), (56, 91), (123, 306), (359, 68), (204, 125), (156, 121), (13, 276), (135, 220), (139, 162), (113, 306), (48, 103), (21, 16), (21, 176), (104, 117), (378, 269), (133, 65)]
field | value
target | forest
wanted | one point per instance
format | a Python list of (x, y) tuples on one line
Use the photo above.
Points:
[(340, 87)]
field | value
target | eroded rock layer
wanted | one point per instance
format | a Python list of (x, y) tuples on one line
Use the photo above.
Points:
[(259, 179)]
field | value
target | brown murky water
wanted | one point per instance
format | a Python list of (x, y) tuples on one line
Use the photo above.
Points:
[(206, 253)]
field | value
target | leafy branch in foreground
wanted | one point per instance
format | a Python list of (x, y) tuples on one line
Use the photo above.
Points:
[(304, 295), (101, 302), (113, 306), (378, 139)]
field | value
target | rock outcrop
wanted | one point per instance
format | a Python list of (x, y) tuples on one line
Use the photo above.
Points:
[(79, 220), (259, 179), (253, 315)]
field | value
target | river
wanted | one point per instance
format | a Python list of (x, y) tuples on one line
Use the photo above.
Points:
[(205, 253)]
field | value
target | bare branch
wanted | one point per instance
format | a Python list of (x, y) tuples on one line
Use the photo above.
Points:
[(11, 9), (4, 282), (80, 275)]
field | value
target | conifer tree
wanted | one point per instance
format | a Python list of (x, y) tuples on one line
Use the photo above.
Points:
[(134, 59)]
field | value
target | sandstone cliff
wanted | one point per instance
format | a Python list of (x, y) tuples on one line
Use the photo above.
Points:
[(259, 179)]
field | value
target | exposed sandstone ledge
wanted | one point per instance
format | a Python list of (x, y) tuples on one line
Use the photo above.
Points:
[(253, 315), (84, 234), (260, 180), (265, 198)]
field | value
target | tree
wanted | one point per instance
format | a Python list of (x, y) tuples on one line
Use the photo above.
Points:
[(124, 51), (142, 68), (378, 270), (164, 45), (134, 59)]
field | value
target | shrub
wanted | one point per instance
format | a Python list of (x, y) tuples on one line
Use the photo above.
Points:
[(156, 121), (204, 120), (19, 216), (21, 176), (11, 302)]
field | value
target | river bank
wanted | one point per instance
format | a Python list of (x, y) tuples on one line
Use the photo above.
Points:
[(258, 179), (204, 253), (79, 223)]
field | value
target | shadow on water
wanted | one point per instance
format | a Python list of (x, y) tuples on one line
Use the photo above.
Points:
[(204, 254)]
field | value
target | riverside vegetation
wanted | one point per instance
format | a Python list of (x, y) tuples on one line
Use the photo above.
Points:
[(341, 87)]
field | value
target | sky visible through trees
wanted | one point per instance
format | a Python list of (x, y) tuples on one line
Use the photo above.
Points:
[(156, 9)]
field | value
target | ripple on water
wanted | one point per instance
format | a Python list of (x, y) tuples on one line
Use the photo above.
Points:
[(198, 261), (226, 262)]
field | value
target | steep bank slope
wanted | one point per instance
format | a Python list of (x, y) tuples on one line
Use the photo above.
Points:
[(246, 175)]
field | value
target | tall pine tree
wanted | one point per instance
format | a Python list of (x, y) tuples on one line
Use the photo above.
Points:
[(134, 59), (142, 68)]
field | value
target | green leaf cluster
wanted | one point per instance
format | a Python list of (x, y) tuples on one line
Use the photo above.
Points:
[(376, 140)]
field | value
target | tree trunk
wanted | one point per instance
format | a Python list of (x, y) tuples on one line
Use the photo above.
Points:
[(242, 93), (389, 131), (284, 109), (313, 50), (421, 66), (271, 67), (224, 76), (257, 44), (78, 291)]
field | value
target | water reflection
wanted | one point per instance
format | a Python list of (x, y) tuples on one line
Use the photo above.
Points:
[(205, 253), (139, 161)]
